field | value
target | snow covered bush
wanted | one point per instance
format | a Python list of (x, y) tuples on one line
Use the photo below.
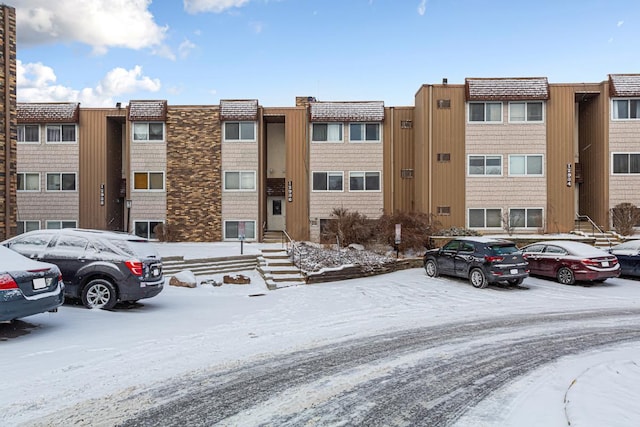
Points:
[(625, 217), (416, 229)]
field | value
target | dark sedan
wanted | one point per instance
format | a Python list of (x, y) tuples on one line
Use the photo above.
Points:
[(628, 254), (27, 287), (569, 261)]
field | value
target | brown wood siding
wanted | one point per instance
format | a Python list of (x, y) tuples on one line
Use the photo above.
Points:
[(8, 123), (593, 146), (560, 211), (422, 157), (398, 153)]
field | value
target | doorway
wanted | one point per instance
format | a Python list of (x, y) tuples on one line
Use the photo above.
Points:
[(276, 213)]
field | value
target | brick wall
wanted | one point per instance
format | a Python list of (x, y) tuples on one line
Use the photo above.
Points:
[(8, 108), (193, 179)]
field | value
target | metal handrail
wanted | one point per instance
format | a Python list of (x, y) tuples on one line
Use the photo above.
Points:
[(290, 246), (594, 227)]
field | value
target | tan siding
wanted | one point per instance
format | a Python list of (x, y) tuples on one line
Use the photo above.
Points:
[(624, 137), (48, 206)]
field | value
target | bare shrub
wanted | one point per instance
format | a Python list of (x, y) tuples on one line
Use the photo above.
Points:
[(625, 217), (347, 227), (164, 232), (416, 229)]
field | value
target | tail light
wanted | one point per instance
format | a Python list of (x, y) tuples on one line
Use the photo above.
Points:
[(590, 262), (134, 266), (7, 282), (493, 258)]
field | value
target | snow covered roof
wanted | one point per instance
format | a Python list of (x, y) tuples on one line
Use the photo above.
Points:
[(242, 109), (148, 110), (368, 111), (624, 85), (507, 89), (67, 112)]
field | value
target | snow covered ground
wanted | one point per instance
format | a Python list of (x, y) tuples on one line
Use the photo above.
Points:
[(54, 361)]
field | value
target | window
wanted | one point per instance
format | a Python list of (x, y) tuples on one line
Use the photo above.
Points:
[(444, 103), (328, 181), (406, 124), (626, 163), (526, 112), (528, 218), (148, 180), (235, 229), (444, 210), (29, 134), (146, 229), (485, 165), (148, 131), (240, 180), (61, 182), (240, 131), (364, 181), (444, 157), (28, 181), (406, 173), (24, 226), (485, 112), (626, 109), (61, 133), (530, 164), (57, 225), (326, 132), (364, 132), (485, 218)]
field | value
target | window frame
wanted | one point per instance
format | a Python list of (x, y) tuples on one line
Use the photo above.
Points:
[(148, 125), (61, 125), (484, 218), (240, 173), (23, 127), (484, 174), (24, 174), (363, 130), (329, 174), (24, 224), (526, 165), (526, 112), (628, 101), (224, 229), (485, 121), (328, 141), (149, 228), (526, 218), (240, 138), (156, 190), (364, 181), (47, 222), (628, 154), (75, 182)]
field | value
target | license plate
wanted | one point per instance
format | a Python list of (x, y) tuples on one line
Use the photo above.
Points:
[(514, 271), (605, 263), (39, 283)]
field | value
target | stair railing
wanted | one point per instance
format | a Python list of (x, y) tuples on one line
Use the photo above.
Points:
[(594, 227), (291, 247)]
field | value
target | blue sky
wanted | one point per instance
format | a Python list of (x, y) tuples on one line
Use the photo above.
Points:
[(99, 52)]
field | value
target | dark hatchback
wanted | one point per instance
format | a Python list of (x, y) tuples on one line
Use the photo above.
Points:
[(481, 260), (101, 268), (628, 254)]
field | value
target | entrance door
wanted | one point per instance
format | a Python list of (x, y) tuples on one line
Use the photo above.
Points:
[(275, 215)]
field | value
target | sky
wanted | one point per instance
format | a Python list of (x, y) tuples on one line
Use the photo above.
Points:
[(183, 333), (195, 52)]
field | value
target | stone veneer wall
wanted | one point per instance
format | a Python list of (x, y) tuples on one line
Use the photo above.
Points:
[(193, 181), (8, 183)]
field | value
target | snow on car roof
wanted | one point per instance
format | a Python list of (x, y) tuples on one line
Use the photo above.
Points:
[(483, 239), (583, 249), (13, 261)]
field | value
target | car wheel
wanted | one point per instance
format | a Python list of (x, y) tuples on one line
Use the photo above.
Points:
[(99, 293), (566, 276), (478, 279), (515, 282), (431, 268)]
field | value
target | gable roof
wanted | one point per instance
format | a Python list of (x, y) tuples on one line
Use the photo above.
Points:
[(55, 112), (624, 85), (507, 89), (241, 109), (148, 110), (367, 111)]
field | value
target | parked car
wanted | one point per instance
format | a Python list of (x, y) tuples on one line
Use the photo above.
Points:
[(481, 260), (27, 287), (569, 261), (628, 254), (100, 268)]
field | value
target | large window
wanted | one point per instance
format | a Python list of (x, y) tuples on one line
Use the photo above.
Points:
[(57, 225), (28, 181), (485, 112), (148, 131), (240, 131), (526, 164), (146, 229), (525, 217), (626, 163), (364, 132), (626, 109), (240, 229), (526, 111), (328, 181), (148, 180), (485, 165), (24, 226), (61, 182), (326, 132), (485, 218), (240, 180), (29, 134), (61, 133), (364, 181)]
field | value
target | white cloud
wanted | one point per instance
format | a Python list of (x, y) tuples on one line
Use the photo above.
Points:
[(257, 27), (216, 6), (422, 7), (620, 23), (101, 24), (37, 83), (185, 48)]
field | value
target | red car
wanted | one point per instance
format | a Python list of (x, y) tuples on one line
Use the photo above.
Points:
[(569, 261)]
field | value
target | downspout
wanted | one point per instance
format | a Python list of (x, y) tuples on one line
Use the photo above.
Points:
[(430, 149), (7, 126)]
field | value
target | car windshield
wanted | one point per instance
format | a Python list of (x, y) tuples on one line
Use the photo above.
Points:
[(503, 249)]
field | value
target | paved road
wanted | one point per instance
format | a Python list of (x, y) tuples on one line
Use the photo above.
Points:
[(425, 376)]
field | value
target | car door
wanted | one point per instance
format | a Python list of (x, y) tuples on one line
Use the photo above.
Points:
[(551, 259), (464, 259), (446, 257), (533, 255), (68, 253)]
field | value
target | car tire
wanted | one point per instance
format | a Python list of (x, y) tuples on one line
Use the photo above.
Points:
[(431, 268), (566, 276), (478, 278), (99, 293), (515, 282)]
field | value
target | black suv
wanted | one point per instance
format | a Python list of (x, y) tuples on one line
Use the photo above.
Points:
[(479, 259), (99, 267)]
